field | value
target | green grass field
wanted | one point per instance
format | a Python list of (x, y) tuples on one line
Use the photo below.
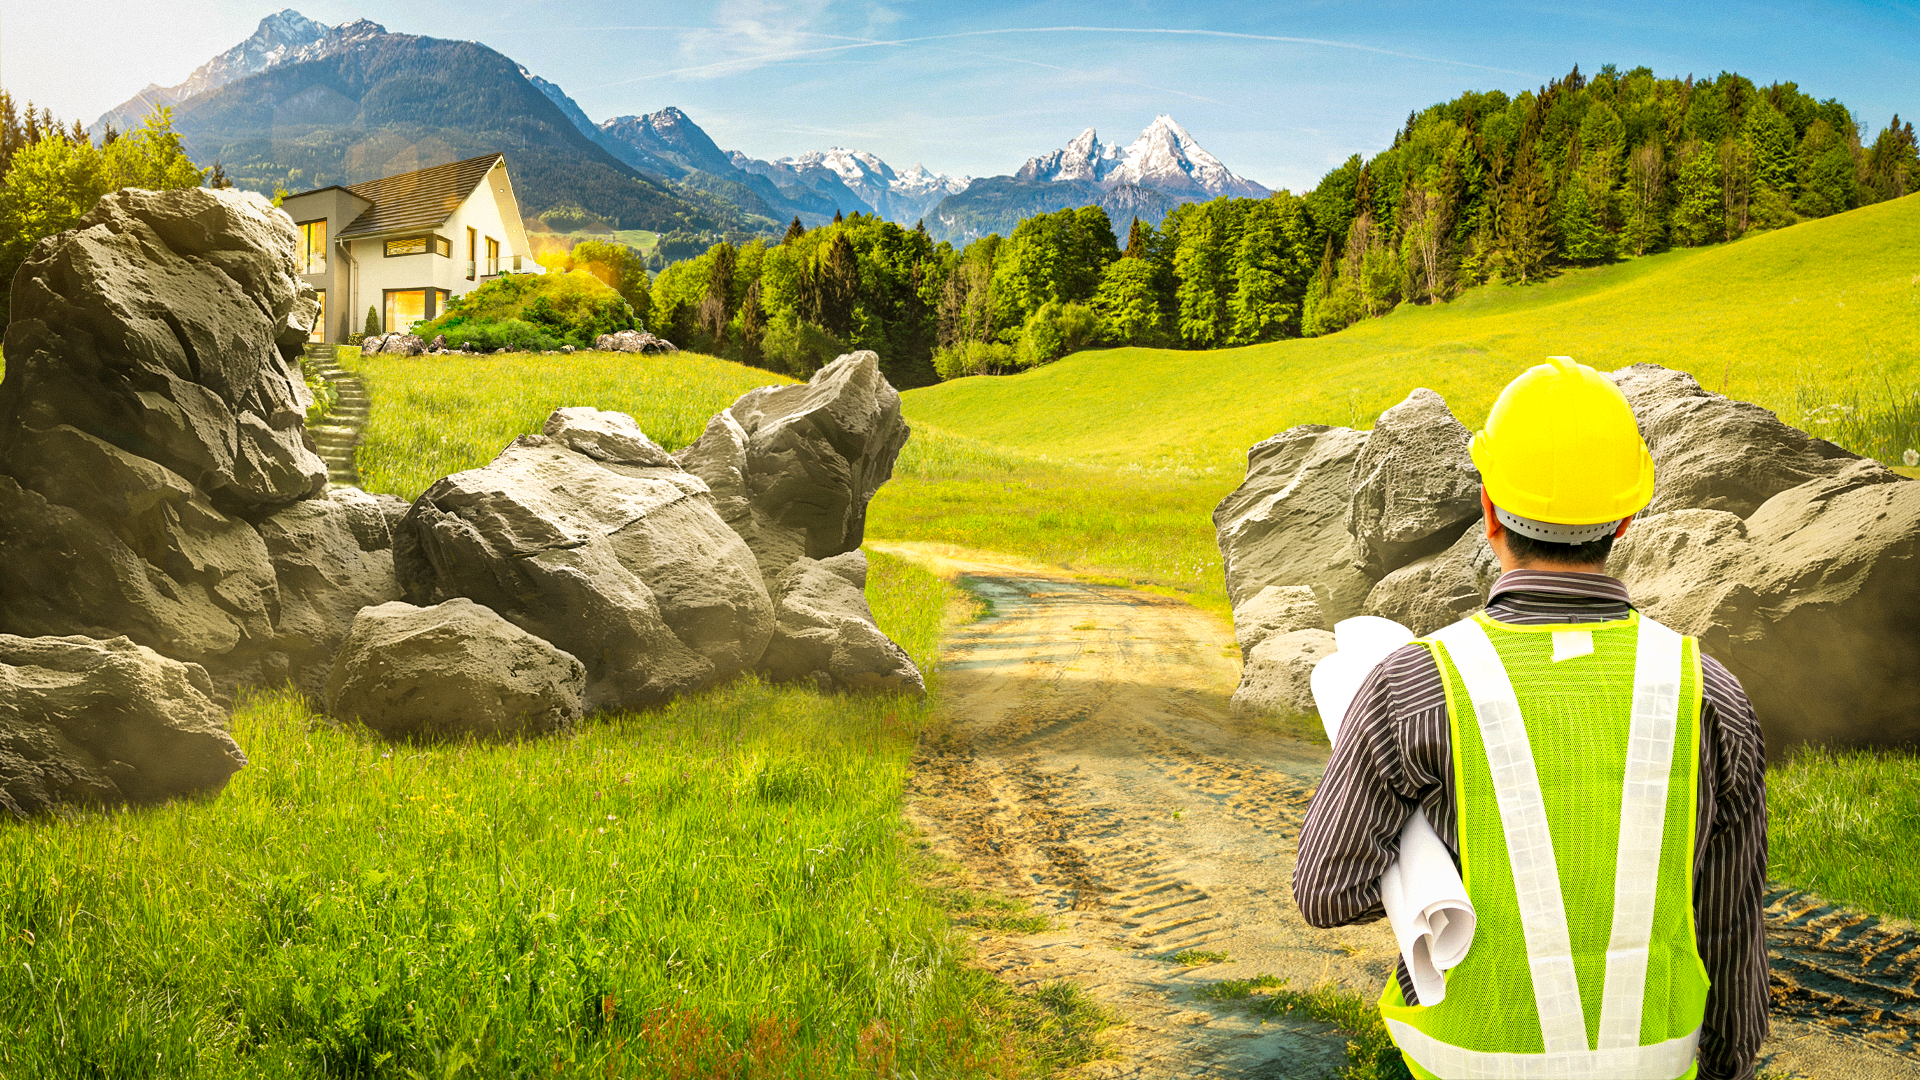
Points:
[(720, 887)]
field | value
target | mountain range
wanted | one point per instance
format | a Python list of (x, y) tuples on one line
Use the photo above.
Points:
[(301, 104)]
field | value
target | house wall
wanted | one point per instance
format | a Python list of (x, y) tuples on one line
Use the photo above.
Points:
[(337, 207), (490, 211)]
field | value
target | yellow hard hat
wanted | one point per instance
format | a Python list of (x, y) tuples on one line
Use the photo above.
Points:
[(1561, 447)]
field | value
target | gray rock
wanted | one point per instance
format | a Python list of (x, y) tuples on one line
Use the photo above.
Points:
[(605, 436), (622, 563), (1439, 589), (1276, 609), (566, 349), (394, 344), (85, 721), (1414, 486), (167, 324), (452, 670), (792, 468), (1714, 453), (331, 557), (1276, 676), (825, 631), (634, 341), (1286, 522), (1809, 602), (98, 541)]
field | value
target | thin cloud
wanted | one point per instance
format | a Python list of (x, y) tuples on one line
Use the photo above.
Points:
[(852, 43)]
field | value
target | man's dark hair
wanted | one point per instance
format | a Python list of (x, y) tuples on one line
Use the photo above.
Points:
[(1526, 549)]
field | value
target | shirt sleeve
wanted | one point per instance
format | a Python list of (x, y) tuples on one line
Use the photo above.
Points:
[(1730, 880), (1352, 831)]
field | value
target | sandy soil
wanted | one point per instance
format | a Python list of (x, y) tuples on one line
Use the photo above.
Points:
[(1091, 766)]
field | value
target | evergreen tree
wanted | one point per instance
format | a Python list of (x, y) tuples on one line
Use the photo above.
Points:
[(1525, 231), (1139, 236), (1893, 165), (1128, 303), (372, 329), (753, 324), (1199, 265), (837, 218), (794, 231), (1699, 212), (839, 286)]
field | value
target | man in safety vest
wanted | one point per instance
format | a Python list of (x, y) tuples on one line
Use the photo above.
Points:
[(1599, 781)]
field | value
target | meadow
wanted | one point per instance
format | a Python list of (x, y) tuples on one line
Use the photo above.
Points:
[(720, 887)]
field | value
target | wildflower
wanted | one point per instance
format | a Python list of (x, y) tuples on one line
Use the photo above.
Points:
[(1911, 458)]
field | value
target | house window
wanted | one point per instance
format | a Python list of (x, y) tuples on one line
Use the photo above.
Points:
[(493, 256), (409, 245), (471, 256), (443, 247), (319, 318), (313, 247), (406, 308)]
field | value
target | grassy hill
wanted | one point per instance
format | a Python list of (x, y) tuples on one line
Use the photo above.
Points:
[(1110, 462)]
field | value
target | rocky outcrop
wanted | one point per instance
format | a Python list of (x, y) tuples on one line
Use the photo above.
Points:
[(86, 721), (452, 670), (1809, 601), (1277, 673), (1443, 588), (634, 341), (1276, 609), (825, 631), (1714, 453), (1414, 486), (331, 557), (1286, 522), (594, 539), (152, 431), (791, 468), (1796, 563)]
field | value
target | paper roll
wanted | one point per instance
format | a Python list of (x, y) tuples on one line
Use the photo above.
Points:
[(1425, 900)]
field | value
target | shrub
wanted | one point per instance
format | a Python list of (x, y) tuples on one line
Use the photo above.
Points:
[(975, 358), (799, 348), (515, 334), (373, 322), (572, 308), (1054, 330)]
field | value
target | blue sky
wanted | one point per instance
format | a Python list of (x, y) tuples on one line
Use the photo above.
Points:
[(1280, 92)]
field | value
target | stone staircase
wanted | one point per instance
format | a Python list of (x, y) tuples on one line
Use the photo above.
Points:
[(338, 434)]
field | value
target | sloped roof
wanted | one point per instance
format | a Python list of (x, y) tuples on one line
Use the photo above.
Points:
[(420, 199)]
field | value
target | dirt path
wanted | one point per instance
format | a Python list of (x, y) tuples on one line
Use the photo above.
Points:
[(1091, 766)]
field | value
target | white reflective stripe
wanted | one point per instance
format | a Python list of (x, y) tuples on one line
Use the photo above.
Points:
[(1643, 819), (1523, 819), (1662, 1061)]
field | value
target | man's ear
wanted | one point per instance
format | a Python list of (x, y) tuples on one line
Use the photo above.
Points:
[(1617, 533), (1494, 528)]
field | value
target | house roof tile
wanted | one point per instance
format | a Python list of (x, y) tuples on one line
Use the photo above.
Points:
[(417, 200)]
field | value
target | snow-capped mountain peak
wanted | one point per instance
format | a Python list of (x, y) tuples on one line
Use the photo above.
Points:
[(1165, 157)]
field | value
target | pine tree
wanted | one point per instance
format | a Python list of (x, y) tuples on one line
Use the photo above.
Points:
[(373, 321), (794, 231), (1139, 236), (219, 179), (1699, 212), (753, 323), (839, 287), (838, 218)]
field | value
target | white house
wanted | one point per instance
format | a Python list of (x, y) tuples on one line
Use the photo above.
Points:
[(404, 245)]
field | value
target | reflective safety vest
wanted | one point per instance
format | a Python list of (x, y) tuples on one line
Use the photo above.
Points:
[(1576, 753)]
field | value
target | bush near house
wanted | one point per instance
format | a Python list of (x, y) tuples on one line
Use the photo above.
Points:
[(533, 312)]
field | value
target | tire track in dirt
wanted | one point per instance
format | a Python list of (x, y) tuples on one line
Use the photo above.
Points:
[(1090, 765)]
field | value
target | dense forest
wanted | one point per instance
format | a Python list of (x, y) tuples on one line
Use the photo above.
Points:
[(1483, 188)]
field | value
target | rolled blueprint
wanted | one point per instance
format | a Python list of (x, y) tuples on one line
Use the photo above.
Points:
[(1425, 899)]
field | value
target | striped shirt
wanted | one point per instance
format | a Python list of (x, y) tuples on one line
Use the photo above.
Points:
[(1395, 753)]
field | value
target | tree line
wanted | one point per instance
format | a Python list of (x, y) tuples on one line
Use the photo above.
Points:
[(1483, 188), (52, 173)]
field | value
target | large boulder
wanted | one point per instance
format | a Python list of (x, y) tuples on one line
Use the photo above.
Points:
[(1286, 522), (1439, 589), (1809, 601), (792, 468), (167, 323), (86, 721), (1714, 453), (634, 341), (455, 669), (593, 538), (331, 557), (1276, 609), (1276, 677), (394, 344), (825, 631), (1414, 486)]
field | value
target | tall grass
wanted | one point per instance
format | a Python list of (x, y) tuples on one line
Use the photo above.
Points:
[(719, 887), (1843, 823), (437, 415)]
